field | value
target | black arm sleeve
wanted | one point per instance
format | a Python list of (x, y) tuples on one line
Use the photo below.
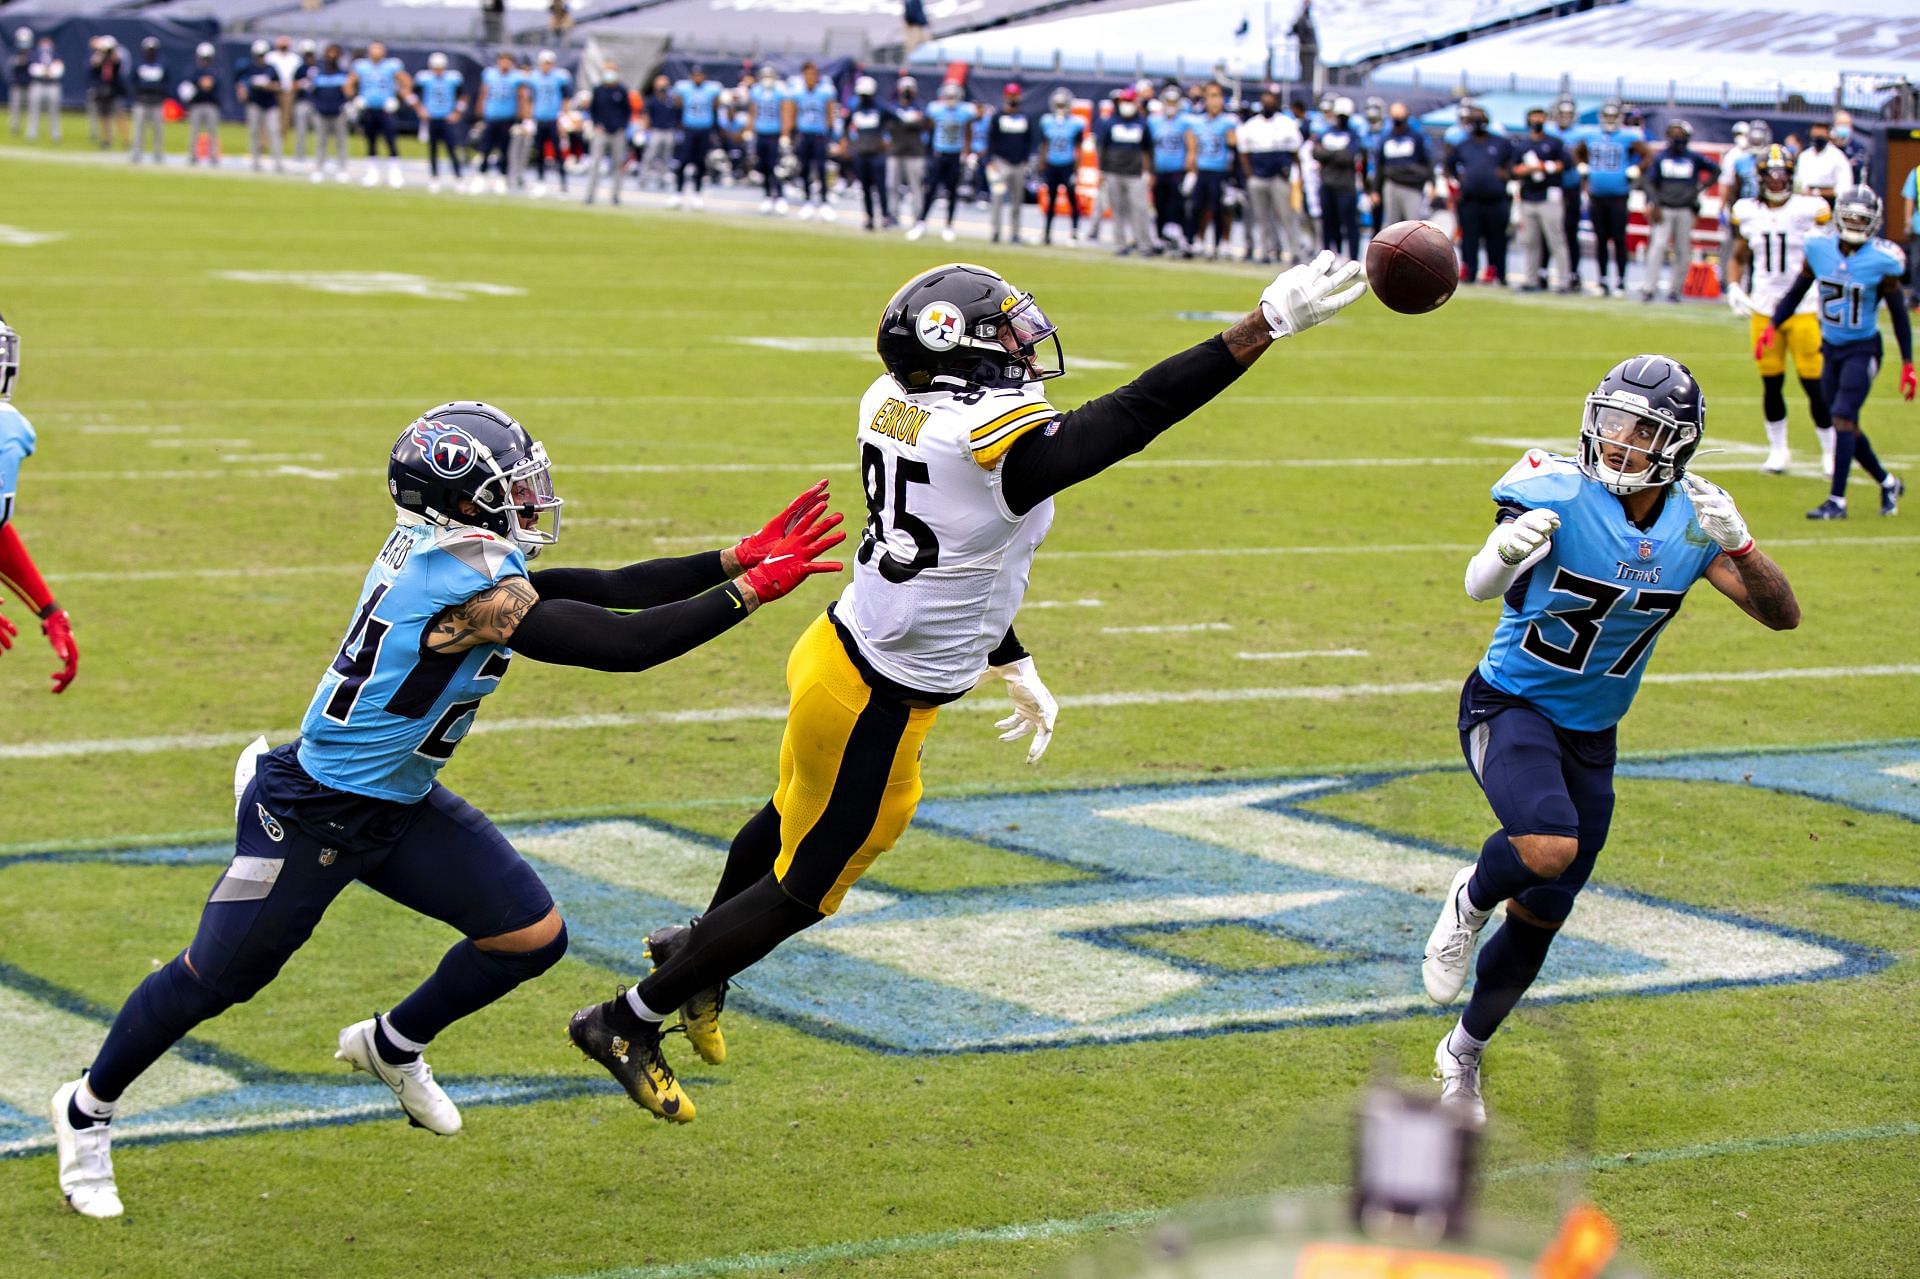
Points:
[(1897, 312), (1010, 650), (643, 585), (1791, 302), (1087, 440), (569, 633)]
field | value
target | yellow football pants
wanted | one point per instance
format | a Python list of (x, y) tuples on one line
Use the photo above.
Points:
[(1800, 335), (849, 771)]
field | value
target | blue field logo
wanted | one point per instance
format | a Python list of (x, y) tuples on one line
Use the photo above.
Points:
[(1336, 914)]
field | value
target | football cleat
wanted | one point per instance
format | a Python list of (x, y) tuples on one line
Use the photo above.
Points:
[(947, 234), (636, 1064), (780, 206), (86, 1161), (917, 230), (1890, 493), (426, 1103), (1459, 1076), (370, 179), (1776, 463), (1450, 945), (828, 213), (1828, 510), (700, 1015)]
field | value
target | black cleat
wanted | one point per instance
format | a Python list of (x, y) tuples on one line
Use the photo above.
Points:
[(636, 1063), (700, 1017), (1828, 510)]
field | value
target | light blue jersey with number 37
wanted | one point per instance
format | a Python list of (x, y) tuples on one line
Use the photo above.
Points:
[(1577, 628), (388, 714)]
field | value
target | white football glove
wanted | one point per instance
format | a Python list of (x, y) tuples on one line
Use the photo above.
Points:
[(1739, 301), (1034, 710), (245, 767), (1718, 517), (1520, 538), (1188, 183), (1313, 293)]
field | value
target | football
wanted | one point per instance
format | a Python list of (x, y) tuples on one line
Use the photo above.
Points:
[(1412, 268)]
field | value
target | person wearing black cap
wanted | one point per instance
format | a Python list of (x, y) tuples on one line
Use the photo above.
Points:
[(1009, 151), (150, 94)]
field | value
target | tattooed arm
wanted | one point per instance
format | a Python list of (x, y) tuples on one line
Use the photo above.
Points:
[(490, 617), (1756, 584)]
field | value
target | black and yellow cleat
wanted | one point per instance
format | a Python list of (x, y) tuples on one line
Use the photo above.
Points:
[(700, 1017), (635, 1061)]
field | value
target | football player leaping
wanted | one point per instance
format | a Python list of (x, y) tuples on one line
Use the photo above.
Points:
[(16, 565), (1592, 559), (960, 456), (356, 797), (1770, 236)]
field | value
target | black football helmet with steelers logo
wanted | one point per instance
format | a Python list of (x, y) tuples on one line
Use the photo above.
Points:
[(961, 327), (466, 452)]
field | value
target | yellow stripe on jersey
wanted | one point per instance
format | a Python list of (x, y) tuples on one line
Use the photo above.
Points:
[(985, 429), (988, 453)]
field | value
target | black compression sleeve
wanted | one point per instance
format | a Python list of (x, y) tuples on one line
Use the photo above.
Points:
[(1087, 440), (1791, 302), (642, 585), (1902, 326), (569, 633), (1010, 650)]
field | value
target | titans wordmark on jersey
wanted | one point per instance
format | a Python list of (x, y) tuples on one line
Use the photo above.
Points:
[(943, 564), (387, 713), (1577, 628)]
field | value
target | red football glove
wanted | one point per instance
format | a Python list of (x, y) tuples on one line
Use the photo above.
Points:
[(1766, 340), (7, 631), (1908, 382), (751, 550), (794, 557), (58, 629)]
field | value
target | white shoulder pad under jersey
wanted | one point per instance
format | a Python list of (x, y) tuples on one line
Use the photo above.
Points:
[(1539, 478)]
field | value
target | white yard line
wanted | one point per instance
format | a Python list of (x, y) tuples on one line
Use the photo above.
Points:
[(1299, 654), (775, 713), (1182, 629)]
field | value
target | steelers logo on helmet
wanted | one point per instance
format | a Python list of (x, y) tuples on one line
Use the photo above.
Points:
[(939, 326)]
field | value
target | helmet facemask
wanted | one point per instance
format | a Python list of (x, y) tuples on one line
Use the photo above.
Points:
[(9, 360), (1776, 183), (1627, 449), (518, 497), (1856, 215)]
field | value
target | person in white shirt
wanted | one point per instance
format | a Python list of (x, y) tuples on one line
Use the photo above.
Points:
[(1822, 168)]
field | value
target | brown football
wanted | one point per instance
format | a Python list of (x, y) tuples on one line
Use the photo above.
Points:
[(1412, 268)]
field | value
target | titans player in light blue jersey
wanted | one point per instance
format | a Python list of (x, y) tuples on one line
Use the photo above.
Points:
[(1608, 157), (1174, 151), (549, 87), (1591, 557), (812, 112), (503, 104), (1060, 134), (768, 110), (699, 113), (378, 84), (441, 101), (357, 796), (951, 121), (17, 569), (1856, 271)]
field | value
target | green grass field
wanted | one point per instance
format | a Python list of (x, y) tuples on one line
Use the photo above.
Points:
[(208, 492)]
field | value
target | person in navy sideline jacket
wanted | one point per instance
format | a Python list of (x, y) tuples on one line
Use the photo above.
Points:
[(662, 115), (305, 124), (45, 71), (327, 89), (1480, 164), (907, 145), (609, 116), (1121, 142), (19, 77), (1009, 151), (1402, 168), (867, 134), (257, 87), (150, 94), (1341, 158), (1566, 116), (1674, 179), (1540, 162)]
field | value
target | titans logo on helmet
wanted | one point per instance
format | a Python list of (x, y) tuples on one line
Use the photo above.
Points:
[(450, 451)]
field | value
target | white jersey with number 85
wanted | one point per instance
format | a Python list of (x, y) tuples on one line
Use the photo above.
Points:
[(942, 567)]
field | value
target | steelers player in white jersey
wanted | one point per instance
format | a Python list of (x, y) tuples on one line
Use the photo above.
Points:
[(960, 456), (1770, 236)]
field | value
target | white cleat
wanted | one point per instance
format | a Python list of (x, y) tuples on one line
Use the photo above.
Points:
[(780, 207), (1776, 463), (917, 230), (1459, 1076), (673, 201), (433, 186), (395, 178), (946, 233), (340, 175), (1450, 945), (766, 206), (699, 201), (316, 176), (539, 191), (372, 178), (426, 1103), (829, 214), (86, 1161)]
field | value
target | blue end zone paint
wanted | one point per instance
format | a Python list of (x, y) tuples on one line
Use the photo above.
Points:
[(1890, 894), (1371, 935)]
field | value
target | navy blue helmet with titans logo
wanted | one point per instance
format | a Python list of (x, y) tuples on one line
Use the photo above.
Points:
[(961, 327), (468, 463), (9, 357), (1642, 424)]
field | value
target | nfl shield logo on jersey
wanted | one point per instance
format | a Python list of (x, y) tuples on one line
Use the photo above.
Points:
[(1645, 550)]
